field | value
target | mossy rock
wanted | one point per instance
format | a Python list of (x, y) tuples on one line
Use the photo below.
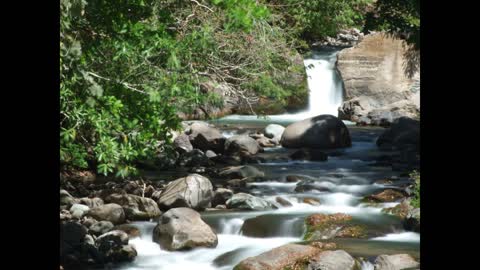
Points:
[(322, 226)]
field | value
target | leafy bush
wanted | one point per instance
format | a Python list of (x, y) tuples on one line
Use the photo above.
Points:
[(128, 68)]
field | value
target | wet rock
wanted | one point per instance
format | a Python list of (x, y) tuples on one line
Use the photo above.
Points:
[(265, 142), (311, 201), (131, 230), (100, 227), (331, 260), (247, 202), (194, 158), (76, 250), (323, 132), (182, 143), (403, 133), (183, 228), (72, 233), (78, 210), (309, 154), (272, 225), (66, 198), (323, 245), (114, 247), (193, 191), (309, 185), (92, 202), (412, 220), (221, 206), (241, 145), (205, 137), (65, 215), (387, 195), (156, 195), (279, 258), (115, 235), (401, 210), (221, 196), (274, 131), (292, 178), (283, 202), (246, 171), (88, 221), (136, 208), (395, 262), (323, 226), (89, 240), (210, 154), (109, 212)]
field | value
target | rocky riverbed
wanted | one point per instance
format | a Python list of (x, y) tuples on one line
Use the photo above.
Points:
[(237, 195)]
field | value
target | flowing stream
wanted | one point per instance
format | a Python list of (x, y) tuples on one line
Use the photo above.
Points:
[(347, 176)]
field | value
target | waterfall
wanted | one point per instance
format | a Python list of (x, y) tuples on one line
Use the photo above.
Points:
[(324, 85), (325, 90)]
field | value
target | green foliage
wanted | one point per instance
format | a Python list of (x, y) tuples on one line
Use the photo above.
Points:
[(242, 14), (128, 67), (313, 19), (416, 191), (398, 17)]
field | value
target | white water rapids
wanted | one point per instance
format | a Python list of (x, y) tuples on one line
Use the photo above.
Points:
[(344, 195)]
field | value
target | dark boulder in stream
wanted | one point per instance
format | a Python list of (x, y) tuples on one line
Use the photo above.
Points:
[(204, 137), (322, 131), (403, 133)]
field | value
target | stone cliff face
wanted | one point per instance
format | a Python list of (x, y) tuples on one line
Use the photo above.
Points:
[(377, 88)]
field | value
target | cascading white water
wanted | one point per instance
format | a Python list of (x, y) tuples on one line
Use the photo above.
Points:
[(325, 88)]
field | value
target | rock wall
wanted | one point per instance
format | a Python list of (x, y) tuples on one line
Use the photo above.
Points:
[(377, 88)]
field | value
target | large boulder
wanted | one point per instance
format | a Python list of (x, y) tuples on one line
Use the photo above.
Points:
[(395, 262), (247, 202), (135, 207), (378, 86), (205, 137), (91, 202), (182, 228), (323, 131), (274, 131), (283, 257), (110, 212), (403, 133), (182, 143), (332, 260), (241, 145), (323, 226), (193, 191)]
